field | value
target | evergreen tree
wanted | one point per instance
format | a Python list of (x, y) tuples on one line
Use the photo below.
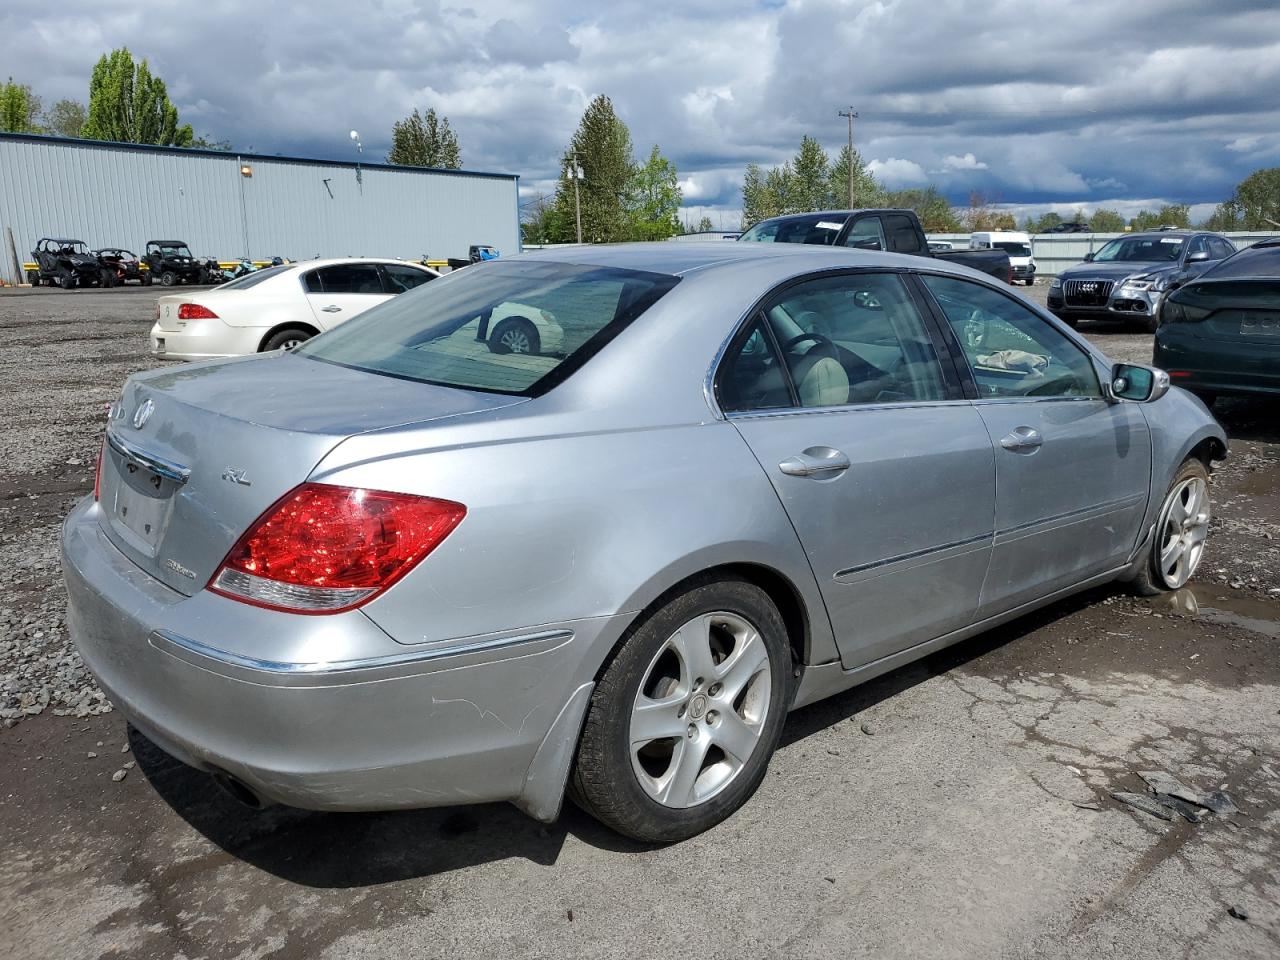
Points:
[(867, 190), (129, 105), (418, 141), (602, 145)]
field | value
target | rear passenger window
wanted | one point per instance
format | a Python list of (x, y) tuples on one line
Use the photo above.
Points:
[(834, 341), (865, 234), (1012, 351), (901, 233), (345, 278)]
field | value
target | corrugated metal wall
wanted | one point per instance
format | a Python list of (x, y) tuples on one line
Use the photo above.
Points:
[(1054, 252), (113, 195)]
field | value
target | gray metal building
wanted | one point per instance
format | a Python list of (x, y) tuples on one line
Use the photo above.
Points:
[(228, 205)]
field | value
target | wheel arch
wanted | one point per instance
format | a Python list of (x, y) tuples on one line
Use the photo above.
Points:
[(286, 325)]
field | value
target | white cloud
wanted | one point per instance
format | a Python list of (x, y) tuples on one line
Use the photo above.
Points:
[(896, 173), (966, 162)]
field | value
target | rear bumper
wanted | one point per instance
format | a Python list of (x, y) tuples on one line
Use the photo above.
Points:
[(204, 340), (1217, 366), (358, 723)]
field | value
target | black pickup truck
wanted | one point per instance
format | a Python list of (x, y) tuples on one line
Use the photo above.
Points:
[(897, 231)]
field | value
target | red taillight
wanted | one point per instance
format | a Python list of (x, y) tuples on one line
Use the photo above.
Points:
[(1180, 374), (194, 311), (324, 548), (97, 472)]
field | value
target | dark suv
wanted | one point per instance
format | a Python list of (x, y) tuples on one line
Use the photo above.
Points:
[(64, 262), (170, 262), (1127, 277)]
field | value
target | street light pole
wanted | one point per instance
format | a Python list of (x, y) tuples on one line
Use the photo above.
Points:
[(355, 137), (576, 173), (852, 116)]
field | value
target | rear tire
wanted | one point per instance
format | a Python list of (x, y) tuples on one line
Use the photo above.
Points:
[(706, 674), (168, 278), (515, 335), (146, 279), (33, 277), (1182, 526), (288, 338)]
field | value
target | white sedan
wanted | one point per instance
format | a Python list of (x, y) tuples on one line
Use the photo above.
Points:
[(277, 307)]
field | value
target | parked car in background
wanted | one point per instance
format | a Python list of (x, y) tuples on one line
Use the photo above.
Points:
[(394, 568), (171, 262), (897, 231), (120, 266), (1022, 262), (1074, 226), (937, 246), (1220, 333), (275, 307), (1126, 278), (65, 262)]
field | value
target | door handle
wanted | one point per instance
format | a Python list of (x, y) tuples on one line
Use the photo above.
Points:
[(331, 308), (821, 462), (1022, 440)]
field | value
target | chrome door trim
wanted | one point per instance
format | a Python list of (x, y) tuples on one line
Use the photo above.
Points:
[(928, 553), (157, 465)]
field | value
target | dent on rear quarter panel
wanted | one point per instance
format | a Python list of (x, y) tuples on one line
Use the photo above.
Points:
[(562, 528)]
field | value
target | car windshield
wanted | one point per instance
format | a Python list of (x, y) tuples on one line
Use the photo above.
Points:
[(176, 251), (1141, 250), (1013, 248), (253, 279), (1250, 262), (515, 327), (817, 229)]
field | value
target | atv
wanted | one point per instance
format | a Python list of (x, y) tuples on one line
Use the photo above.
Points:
[(120, 266), (66, 263), (170, 262)]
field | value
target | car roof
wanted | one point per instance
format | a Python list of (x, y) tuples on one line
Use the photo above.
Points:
[(59, 240), (681, 258), (1163, 233), (331, 261)]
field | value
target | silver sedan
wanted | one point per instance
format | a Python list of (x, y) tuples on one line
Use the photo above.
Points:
[(394, 568)]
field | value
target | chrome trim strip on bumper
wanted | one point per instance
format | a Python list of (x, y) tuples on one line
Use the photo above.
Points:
[(158, 465), (440, 656)]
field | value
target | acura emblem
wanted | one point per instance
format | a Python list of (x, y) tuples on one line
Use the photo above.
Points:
[(142, 414)]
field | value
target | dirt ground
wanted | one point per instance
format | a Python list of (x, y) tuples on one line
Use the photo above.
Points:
[(957, 808)]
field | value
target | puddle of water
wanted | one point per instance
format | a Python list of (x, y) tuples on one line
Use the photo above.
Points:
[(1207, 603)]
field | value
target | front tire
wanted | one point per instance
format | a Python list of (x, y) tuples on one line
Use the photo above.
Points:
[(168, 278), (67, 281), (682, 723), (1182, 527)]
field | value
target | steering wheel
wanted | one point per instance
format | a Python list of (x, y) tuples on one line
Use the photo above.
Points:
[(867, 300), (823, 343)]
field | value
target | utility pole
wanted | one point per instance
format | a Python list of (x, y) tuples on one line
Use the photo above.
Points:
[(851, 116), (576, 172)]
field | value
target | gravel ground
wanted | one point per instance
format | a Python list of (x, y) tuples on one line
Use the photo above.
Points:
[(959, 807)]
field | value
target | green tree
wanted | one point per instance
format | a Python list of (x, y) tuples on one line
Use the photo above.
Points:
[(1226, 216), (1255, 205), (204, 142), (867, 190), (705, 225), (982, 215), (65, 118), (655, 199), (539, 222), (19, 108), (936, 215), (1106, 221), (758, 200), (1171, 214), (1046, 222), (810, 187), (418, 141), (127, 104), (602, 145)]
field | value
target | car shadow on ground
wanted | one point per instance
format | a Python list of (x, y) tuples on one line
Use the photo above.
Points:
[(1246, 418), (345, 850)]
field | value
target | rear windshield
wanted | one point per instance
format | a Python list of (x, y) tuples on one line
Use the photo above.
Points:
[(255, 278), (1249, 262), (817, 229), (1012, 248), (515, 327)]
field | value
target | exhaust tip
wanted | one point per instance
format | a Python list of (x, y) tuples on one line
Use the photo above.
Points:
[(237, 790)]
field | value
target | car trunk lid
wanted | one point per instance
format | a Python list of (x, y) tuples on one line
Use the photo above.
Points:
[(196, 453), (167, 311)]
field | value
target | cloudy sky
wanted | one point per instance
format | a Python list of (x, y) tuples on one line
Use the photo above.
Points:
[(1040, 103)]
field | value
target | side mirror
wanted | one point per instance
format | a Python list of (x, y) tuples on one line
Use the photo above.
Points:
[(1198, 257), (1088, 257), (1137, 384)]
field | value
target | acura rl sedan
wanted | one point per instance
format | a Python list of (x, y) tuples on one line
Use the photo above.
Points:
[(395, 568)]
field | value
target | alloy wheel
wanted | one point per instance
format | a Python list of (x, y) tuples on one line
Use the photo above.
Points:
[(1182, 530), (700, 710), (515, 340)]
